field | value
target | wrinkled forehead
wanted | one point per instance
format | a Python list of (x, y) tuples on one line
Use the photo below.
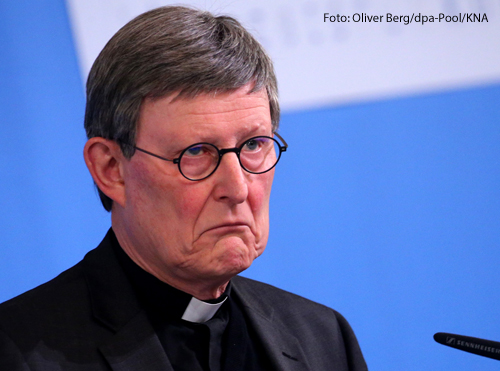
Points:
[(218, 112)]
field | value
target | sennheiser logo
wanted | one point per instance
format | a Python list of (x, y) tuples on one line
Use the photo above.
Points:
[(450, 340), (481, 347)]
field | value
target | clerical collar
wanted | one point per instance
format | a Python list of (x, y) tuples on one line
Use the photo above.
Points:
[(199, 311), (163, 299)]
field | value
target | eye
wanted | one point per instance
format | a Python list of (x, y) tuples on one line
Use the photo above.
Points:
[(194, 151), (253, 144)]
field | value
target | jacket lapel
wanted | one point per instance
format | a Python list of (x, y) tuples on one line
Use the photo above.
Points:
[(134, 345), (282, 347)]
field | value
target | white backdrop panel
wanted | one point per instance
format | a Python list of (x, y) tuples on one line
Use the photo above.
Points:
[(321, 63)]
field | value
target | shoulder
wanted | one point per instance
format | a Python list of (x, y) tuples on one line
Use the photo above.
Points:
[(62, 297), (43, 318), (61, 305), (263, 291), (55, 299), (323, 332), (284, 304), (61, 287), (56, 320)]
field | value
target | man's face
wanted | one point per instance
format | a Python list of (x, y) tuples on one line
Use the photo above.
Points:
[(187, 231)]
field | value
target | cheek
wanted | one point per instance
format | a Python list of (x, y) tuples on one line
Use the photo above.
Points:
[(165, 198), (259, 195), (260, 192), (188, 200), (189, 203), (139, 186), (153, 194)]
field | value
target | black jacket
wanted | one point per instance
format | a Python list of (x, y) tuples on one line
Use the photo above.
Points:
[(88, 318)]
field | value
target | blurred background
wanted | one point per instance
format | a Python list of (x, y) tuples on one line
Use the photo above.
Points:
[(386, 206)]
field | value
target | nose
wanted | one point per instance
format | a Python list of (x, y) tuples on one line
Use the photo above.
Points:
[(231, 181)]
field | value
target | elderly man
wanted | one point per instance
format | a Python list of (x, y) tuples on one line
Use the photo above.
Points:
[(181, 117)]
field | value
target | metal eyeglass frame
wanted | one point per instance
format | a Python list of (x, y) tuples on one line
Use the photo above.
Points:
[(221, 153)]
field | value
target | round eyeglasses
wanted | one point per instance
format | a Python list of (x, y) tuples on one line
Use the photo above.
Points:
[(256, 155)]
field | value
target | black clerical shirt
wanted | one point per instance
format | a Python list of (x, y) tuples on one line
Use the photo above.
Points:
[(221, 343)]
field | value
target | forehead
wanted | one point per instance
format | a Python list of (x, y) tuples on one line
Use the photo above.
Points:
[(206, 113)]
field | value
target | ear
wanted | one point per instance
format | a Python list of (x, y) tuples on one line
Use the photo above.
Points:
[(104, 160)]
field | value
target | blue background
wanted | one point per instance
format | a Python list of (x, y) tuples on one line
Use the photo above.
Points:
[(388, 211)]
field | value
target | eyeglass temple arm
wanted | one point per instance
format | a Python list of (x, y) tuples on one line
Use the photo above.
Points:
[(152, 154), (283, 148)]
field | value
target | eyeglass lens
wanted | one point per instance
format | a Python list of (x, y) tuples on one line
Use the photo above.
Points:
[(257, 155)]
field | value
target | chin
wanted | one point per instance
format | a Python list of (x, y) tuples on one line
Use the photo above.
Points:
[(235, 255)]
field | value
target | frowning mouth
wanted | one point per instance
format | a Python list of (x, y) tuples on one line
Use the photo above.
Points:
[(229, 227)]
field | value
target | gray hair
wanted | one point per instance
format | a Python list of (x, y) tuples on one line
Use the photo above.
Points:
[(167, 50)]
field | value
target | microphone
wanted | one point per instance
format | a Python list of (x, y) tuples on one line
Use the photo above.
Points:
[(482, 347)]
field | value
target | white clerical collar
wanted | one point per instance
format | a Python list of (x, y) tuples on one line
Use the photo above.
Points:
[(198, 311)]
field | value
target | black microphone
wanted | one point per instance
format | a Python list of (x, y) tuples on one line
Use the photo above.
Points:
[(482, 347)]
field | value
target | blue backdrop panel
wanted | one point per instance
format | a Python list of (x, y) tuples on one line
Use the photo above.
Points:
[(49, 214), (387, 211)]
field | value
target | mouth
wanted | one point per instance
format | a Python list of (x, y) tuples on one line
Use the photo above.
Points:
[(228, 227)]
